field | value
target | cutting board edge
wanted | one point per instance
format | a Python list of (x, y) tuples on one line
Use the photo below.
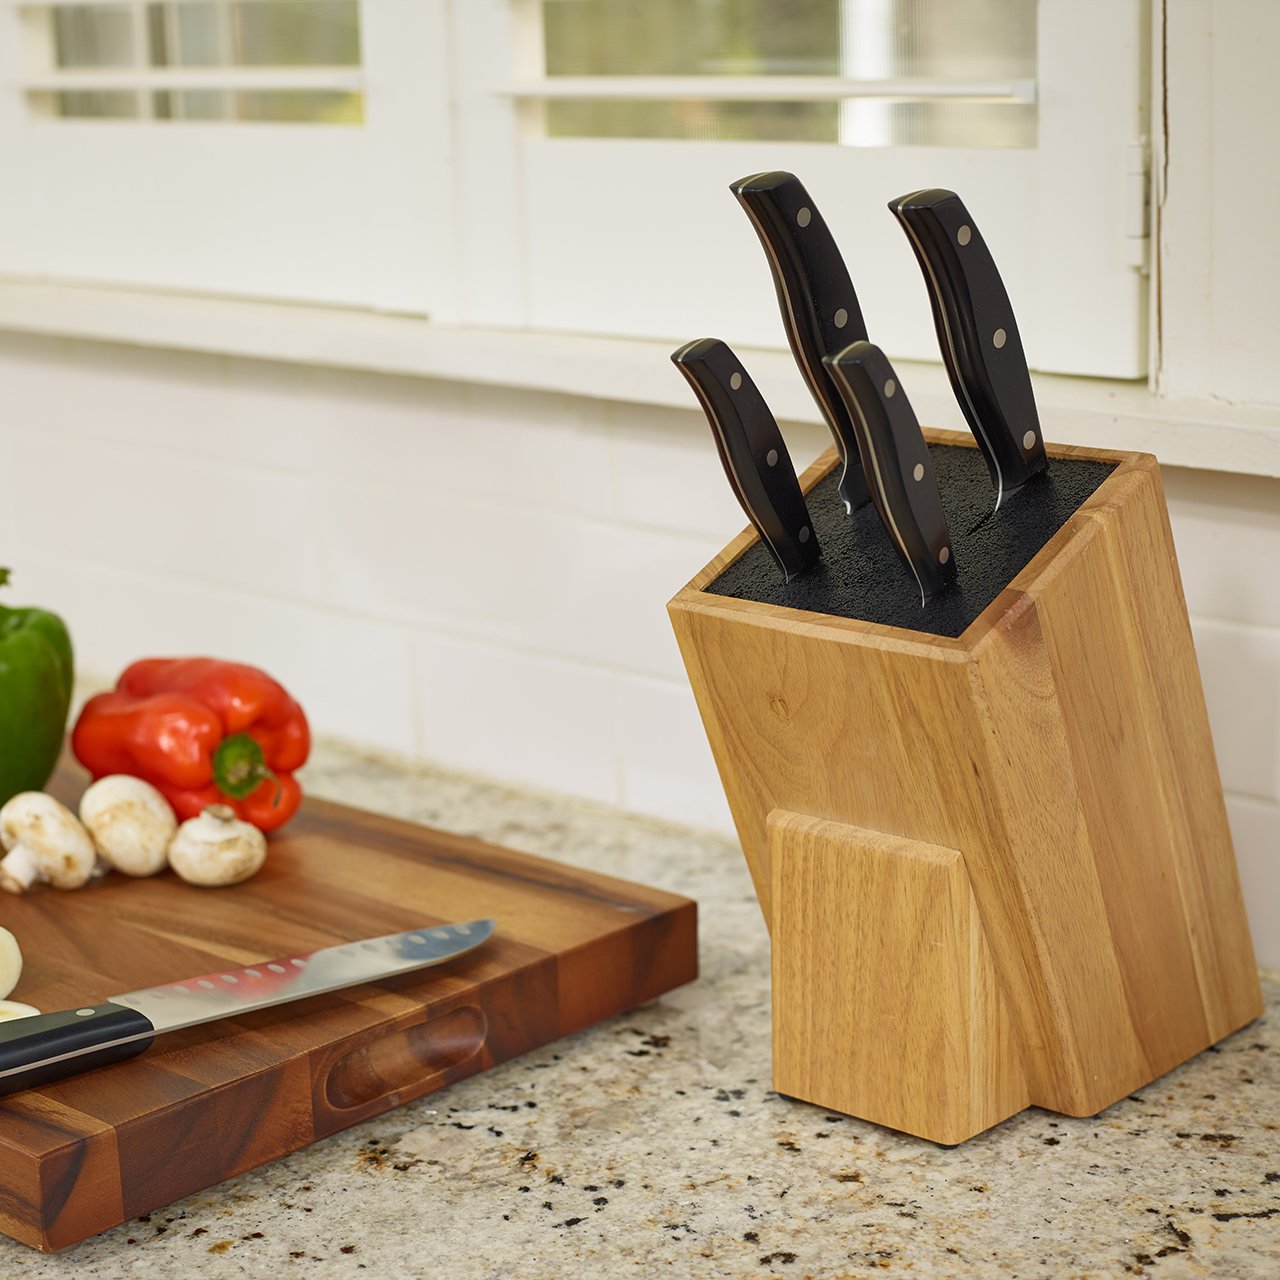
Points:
[(44, 1234)]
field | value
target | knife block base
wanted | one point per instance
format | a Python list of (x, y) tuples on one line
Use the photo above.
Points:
[(887, 1004), (996, 867)]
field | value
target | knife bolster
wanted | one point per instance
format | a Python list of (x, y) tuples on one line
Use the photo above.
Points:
[(996, 864)]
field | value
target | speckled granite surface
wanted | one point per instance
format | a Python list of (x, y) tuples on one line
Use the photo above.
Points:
[(651, 1145)]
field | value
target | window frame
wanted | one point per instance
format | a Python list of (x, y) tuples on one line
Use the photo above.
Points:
[(320, 214), (448, 204), (576, 210)]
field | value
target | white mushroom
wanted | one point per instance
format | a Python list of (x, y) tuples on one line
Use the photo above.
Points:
[(130, 822), (216, 848), (45, 842), (16, 1009), (10, 962)]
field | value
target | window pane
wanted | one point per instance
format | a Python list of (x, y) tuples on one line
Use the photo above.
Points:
[(708, 121), (209, 35), (858, 39), (89, 35), (314, 33), (101, 104), (294, 106)]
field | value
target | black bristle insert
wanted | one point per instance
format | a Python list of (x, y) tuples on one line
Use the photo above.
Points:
[(862, 576)]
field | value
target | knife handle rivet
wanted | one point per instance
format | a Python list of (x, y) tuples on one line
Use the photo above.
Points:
[(964, 235), (772, 457), (998, 338), (841, 318), (205, 983), (298, 964), (918, 473), (804, 534), (804, 216), (735, 381), (84, 1013), (1028, 440), (889, 388), (276, 968), (944, 555)]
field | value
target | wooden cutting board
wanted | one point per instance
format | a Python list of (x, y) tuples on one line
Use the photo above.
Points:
[(84, 1154)]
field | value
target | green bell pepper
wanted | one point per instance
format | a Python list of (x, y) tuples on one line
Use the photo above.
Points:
[(36, 672)]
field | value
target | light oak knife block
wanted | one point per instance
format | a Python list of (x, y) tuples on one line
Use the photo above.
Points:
[(996, 869)]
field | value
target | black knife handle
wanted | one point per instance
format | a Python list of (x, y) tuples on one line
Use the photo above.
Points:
[(752, 452), (899, 469), (977, 333), (49, 1046), (819, 306)]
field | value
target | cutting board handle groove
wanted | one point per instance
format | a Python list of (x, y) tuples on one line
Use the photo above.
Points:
[(405, 1062)]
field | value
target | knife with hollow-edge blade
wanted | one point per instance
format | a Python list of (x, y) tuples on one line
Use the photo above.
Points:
[(48, 1046), (752, 451), (978, 336), (819, 306), (899, 469)]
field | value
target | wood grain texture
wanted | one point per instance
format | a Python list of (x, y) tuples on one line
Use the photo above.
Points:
[(886, 1001), (201, 1105), (1060, 745)]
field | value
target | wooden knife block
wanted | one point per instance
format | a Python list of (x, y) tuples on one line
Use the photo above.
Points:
[(996, 869)]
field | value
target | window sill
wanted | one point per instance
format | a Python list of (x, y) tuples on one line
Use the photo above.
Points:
[(1207, 434)]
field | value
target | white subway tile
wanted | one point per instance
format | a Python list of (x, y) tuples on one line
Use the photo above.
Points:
[(670, 475), (530, 449), (1240, 668), (229, 524), (353, 676), (667, 767), (549, 450), (167, 402), (1227, 532), (1255, 831), (529, 719), (535, 580)]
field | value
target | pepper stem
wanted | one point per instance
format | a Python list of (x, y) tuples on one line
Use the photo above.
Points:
[(239, 767), (4, 576)]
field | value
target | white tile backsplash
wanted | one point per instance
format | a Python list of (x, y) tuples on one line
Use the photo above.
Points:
[(217, 522), (1227, 530), (1240, 670), (1255, 831), (532, 719), (353, 675), (480, 575), (667, 766)]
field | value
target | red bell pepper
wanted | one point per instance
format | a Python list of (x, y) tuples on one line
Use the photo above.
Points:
[(203, 732)]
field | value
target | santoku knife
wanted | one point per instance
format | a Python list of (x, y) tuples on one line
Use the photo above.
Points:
[(896, 458), (819, 307), (977, 334), (48, 1046), (752, 452)]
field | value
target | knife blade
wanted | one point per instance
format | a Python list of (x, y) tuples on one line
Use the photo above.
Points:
[(752, 452), (977, 333), (48, 1046), (899, 469), (819, 307)]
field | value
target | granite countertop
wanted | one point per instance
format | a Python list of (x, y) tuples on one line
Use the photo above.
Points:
[(652, 1144)]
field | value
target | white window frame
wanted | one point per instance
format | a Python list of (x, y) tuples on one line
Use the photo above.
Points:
[(642, 237), (324, 214), (451, 203)]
